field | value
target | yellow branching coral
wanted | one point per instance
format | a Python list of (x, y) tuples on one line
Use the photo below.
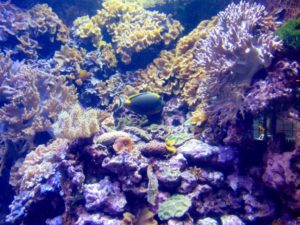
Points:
[(78, 123), (174, 72)]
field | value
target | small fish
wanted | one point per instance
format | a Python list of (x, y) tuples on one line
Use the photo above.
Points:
[(145, 103), (261, 129)]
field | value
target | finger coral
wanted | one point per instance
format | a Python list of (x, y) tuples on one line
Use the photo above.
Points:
[(77, 123), (31, 99), (231, 54)]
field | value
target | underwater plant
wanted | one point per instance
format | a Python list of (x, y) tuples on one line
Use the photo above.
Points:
[(289, 32)]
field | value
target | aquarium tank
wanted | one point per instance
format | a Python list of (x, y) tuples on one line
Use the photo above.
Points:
[(149, 112)]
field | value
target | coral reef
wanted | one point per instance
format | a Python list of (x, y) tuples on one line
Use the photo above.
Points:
[(131, 27), (223, 150), (281, 175), (145, 216), (32, 99), (290, 7), (104, 195), (29, 26), (275, 88), (36, 178), (123, 144)]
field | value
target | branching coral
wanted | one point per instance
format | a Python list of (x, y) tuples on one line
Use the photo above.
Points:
[(13, 20), (84, 27), (231, 54), (31, 99), (78, 123), (132, 28), (40, 164), (78, 64)]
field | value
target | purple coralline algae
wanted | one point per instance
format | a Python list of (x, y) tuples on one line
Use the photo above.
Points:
[(277, 87), (282, 175), (104, 195)]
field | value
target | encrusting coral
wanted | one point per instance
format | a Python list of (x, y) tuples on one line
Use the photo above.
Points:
[(31, 99), (174, 207), (78, 122)]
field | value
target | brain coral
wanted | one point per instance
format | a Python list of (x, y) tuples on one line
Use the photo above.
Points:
[(174, 207), (30, 99)]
